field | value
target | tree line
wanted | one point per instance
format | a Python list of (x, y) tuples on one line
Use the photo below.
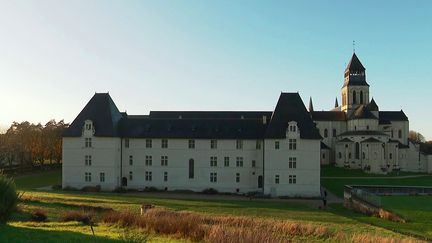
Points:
[(27, 144)]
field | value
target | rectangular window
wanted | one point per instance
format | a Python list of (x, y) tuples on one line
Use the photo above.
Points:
[(102, 177), (292, 179), (191, 144), (213, 161), (164, 160), (292, 144), (292, 162), (226, 161), (276, 144), (165, 176), (253, 163), (191, 169), (148, 143), (258, 144), (148, 175), (237, 177), (130, 175), (213, 144), (88, 142), (276, 179), (164, 143), (126, 142), (87, 176), (148, 160), (292, 128), (334, 132), (239, 144), (130, 159), (239, 161), (88, 160), (213, 177)]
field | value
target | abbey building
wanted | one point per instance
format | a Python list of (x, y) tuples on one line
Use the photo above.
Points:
[(357, 134), (276, 153)]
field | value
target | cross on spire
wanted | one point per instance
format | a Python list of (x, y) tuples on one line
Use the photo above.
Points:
[(353, 46)]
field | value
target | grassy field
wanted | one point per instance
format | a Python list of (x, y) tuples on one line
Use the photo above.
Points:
[(336, 185), (332, 171), (346, 223)]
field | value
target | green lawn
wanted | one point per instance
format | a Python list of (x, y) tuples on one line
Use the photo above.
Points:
[(38, 179), (416, 209), (336, 185), (336, 217), (332, 171)]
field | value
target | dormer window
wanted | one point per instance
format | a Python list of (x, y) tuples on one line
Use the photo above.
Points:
[(292, 127), (88, 128)]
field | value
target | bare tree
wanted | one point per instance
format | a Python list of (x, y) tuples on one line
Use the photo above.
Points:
[(416, 137)]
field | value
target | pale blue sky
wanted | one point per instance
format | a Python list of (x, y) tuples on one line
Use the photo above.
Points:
[(210, 55)]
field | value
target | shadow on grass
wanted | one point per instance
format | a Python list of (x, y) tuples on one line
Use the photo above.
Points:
[(57, 205), (21, 234)]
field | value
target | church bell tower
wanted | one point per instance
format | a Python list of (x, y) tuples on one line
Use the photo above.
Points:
[(355, 90)]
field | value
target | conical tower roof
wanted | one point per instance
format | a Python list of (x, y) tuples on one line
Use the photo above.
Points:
[(372, 106), (103, 112), (355, 64)]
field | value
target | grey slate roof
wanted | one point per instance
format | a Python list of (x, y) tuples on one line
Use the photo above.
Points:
[(392, 116), (345, 140), (324, 146), (104, 114), (362, 112), (328, 116), (210, 114), (372, 106), (371, 140), (355, 66), (290, 107), (109, 122), (364, 132), (139, 127)]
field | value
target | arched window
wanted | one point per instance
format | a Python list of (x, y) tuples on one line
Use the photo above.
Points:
[(361, 97), (357, 151), (364, 155), (191, 168), (340, 155), (325, 133), (354, 97)]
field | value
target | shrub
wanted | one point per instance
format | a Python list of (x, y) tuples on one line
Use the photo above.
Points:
[(69, 188), (91, 188), (210, 191), (86, 217), (39, 215), (8, 197), (151, 189), (56, 187), (119, 190)]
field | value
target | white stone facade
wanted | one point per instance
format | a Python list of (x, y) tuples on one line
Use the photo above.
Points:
[(285, 166)]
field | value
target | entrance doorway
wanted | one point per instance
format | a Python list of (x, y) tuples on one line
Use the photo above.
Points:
[(124, 181), (260, 181)]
